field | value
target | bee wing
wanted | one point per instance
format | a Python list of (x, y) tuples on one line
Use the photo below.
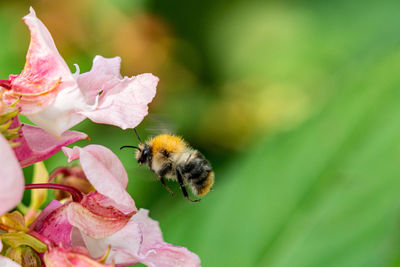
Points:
[(160, 124)]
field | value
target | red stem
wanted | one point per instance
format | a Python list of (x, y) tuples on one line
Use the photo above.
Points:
[(5, 83), (75, 193)]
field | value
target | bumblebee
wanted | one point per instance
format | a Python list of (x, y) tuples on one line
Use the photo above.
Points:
[(170, 157)]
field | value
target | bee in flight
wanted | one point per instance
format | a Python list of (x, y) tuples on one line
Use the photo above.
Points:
[(170, 157)]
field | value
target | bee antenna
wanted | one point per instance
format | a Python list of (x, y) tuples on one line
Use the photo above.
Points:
[(138, 137), (135, 147)]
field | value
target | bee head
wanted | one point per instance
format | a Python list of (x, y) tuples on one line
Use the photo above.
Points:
[(143, 150), (143, 153)]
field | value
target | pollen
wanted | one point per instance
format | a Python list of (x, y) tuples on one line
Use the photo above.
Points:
[(170, 143)]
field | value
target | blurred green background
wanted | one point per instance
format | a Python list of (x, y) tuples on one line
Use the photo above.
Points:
[(295, 103)]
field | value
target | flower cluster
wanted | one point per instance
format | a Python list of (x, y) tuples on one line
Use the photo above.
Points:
[(93, 221)]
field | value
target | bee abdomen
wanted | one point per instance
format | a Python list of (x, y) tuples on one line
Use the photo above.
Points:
[(201, 183), (197, 168), (198, 174), (206, 185)]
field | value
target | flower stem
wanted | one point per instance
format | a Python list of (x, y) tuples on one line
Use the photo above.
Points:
[(5, 83), (75, 193), (22, 208)]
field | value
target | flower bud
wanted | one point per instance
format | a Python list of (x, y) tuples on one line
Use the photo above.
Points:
[(23, 248), (16, 240), (24, 255)]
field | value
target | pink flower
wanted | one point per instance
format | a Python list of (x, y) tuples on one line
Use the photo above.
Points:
[(108, 217), (141, 241), (55, 99), (97, 214)]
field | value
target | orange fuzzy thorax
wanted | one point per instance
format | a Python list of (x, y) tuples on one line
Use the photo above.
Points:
[(170, 143)]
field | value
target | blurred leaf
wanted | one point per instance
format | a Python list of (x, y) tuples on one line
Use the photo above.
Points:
[(327, 194)]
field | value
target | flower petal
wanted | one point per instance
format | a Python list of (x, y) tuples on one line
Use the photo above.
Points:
[(11, 177), (45, 72), (56, 100), (124, 244), (106, 173), (103, 76), (61, 115), (52, 206), (95, 220), (37, 145), (122, 102), (70, 257), (154, 251), (141, 241), (55, 226), (167, 255)]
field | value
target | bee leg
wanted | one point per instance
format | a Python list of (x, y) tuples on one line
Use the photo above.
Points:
[(161, 178), (161, 173), (182, 185)]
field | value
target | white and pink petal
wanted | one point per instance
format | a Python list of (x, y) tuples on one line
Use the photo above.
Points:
[(140, 241), (167, 255), (95, 220), (63, 113), (56, 100), (104, 75), (155, 252), (36, 145), (106, 173), (122, 101), (57, 257), (11, 178), (45, 73)]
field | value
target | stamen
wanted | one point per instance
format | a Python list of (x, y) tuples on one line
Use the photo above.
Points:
[(75, 193), (103, 258)]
